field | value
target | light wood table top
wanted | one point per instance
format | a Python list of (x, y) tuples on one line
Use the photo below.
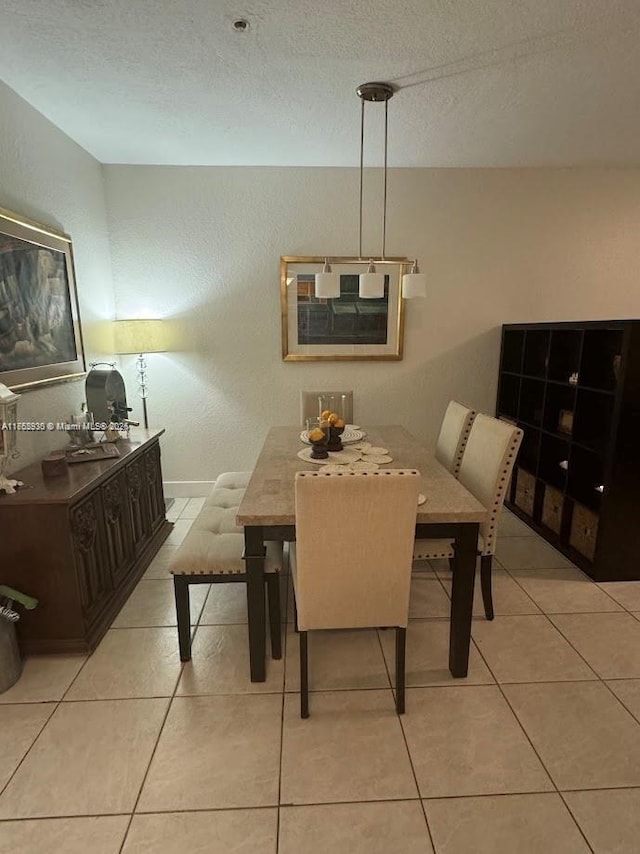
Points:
[(269, 497)]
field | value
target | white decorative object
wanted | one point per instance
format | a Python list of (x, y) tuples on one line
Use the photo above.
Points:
[(422, 498), (414, 284), (377, 458), (8, 435), (327, 283)]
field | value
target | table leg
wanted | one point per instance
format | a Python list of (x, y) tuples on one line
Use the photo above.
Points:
[(464, 575), (254, 552)]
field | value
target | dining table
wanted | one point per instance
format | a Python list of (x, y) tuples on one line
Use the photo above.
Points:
[(450, 511)]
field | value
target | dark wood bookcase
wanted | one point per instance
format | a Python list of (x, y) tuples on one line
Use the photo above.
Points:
[(574, 388)]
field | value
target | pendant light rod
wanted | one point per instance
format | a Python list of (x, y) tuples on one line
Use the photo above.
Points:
[(374, 92), (361, 174), (384, 197)]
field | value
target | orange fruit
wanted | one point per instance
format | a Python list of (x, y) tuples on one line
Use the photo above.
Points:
[(333, 418), (325, 415), (316, 435)]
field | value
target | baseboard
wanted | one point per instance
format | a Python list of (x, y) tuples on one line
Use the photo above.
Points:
[(188, 488)]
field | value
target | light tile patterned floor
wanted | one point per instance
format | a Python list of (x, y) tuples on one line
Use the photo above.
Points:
[(538, 750)]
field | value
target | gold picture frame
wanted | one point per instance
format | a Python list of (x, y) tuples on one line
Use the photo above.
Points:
[(346, 328), (40, 332)]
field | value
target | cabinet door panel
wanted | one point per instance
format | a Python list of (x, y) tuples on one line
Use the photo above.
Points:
[(117, 526), (94, 575), (138, 504), (155, 494)]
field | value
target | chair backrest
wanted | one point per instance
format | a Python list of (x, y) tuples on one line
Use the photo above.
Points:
[(354, 547), (453, 436), (337, 401), (486, 469)]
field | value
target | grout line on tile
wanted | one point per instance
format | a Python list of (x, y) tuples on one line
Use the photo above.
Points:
[(404, 738), (55, 705)]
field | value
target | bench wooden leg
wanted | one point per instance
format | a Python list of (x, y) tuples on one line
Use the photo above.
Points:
[(304, 676), (183, 614), (275, 619)]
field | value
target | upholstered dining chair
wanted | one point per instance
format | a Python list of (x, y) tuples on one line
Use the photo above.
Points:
[(339, 401), (351, 562), (486, 469), (453, 436)]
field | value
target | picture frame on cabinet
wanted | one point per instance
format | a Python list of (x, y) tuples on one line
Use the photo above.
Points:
[(40, 332)]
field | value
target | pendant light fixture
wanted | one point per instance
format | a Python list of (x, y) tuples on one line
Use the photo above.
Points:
[(327, 283), (414, 283), (371, 283)]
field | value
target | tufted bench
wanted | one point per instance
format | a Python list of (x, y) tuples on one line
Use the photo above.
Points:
[(213, 551)]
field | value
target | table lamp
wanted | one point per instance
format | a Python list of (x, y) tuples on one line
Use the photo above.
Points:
[(141, 337)]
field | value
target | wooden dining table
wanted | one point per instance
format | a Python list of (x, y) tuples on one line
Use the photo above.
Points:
[(267, 512)]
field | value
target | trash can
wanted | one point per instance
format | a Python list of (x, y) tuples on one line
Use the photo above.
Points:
[(10, 661)]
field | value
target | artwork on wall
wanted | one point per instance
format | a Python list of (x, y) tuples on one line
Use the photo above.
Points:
[(40, 335), (344, 328)]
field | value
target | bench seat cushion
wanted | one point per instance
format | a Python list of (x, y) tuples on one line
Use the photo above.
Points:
[(233, 480), (214, 546)]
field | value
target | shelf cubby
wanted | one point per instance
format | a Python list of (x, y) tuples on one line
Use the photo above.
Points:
[(559, 409), (586, 477), (531, 406), (513, 349), (564, 354), (536, 353), (593, 419), (601, 358), (529, 452), (509, 395), (553, 463)]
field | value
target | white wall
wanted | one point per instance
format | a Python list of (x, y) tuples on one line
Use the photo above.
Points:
[(47, 177), (202, 246)]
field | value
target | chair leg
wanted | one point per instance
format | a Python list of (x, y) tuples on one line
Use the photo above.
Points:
[(451, 563), (183, 615), (295, 613), (401, 645), (304, 676), (485, 582), (275, 620)]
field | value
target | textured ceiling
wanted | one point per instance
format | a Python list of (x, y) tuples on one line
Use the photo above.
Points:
[(481, 82)]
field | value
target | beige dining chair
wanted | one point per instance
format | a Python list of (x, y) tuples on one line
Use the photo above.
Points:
[(485, 471), (338, 401), (453, 436), (351, 562)]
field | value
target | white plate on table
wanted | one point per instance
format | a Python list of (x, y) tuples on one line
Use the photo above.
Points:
[(347, 436)]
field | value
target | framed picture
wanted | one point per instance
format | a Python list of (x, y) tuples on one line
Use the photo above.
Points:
[(565, 421), (347, 328), (40, 335)]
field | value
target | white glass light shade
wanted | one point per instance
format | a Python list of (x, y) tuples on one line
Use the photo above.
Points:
[(327, 285), (139, 336), (371, 284), (414, 285)]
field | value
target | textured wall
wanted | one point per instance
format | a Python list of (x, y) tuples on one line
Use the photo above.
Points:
[(47, 177), (202, 246)]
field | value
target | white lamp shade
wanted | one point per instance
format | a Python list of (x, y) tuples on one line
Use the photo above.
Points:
[(139, 336), (371, 285), (327, 285), (414, 285)]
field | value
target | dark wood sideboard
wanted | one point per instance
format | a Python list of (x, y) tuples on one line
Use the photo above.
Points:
[(80, 542)]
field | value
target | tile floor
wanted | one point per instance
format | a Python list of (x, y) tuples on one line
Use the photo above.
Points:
[(538, 750)]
